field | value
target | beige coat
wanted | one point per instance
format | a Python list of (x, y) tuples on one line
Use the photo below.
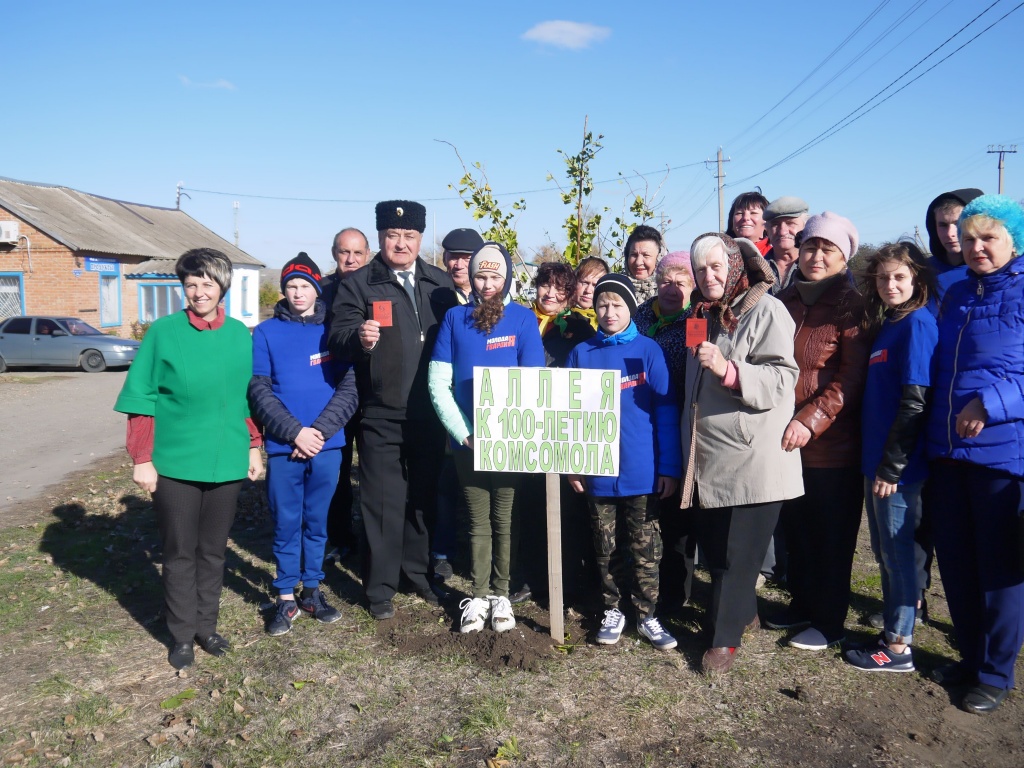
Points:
[(737, 451)]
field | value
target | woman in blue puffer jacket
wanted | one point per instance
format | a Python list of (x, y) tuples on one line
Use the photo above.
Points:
[(976, 445)]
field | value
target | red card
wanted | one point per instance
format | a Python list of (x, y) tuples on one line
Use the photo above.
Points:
[(382, 313), (696, 331)]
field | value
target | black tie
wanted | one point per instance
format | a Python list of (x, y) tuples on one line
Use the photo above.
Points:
[(407, 284)]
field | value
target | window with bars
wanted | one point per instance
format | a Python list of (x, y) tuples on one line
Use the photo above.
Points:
[(11, 303)]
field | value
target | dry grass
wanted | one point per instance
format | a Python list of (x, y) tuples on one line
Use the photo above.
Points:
[(81, 645)]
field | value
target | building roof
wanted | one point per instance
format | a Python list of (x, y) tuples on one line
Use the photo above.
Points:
[(100, 225)]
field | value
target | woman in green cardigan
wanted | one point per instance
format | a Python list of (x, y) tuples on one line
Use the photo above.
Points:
[(192, 443)]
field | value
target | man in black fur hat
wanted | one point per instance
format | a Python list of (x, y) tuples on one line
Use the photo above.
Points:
[(385, 321)]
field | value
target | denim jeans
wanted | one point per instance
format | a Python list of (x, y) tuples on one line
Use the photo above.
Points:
[(892, 522)]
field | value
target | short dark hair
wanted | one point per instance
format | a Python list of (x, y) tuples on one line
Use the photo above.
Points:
[(205, 262), (742, 201), (556, 273), (644, 232)]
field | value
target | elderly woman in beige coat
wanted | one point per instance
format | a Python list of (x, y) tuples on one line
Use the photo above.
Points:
[(739, 383)]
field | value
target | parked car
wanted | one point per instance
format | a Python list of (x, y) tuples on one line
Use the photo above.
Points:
[(66, 342)]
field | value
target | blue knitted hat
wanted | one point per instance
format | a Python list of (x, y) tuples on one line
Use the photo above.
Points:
[(1003, 209)]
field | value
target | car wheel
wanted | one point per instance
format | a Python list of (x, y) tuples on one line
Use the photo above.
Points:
[(3, 365), (92, 361)]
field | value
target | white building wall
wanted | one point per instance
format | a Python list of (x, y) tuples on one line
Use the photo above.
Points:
[(244, 295)]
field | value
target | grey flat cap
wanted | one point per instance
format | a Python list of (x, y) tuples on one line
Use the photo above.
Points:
[(786, 207)]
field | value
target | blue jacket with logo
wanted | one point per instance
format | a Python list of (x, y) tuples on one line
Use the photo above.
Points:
[(297, 381), (981, 354)]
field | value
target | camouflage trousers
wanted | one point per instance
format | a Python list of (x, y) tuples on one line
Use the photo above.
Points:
[(636, 571)]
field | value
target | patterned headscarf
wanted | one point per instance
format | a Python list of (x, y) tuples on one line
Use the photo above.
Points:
[(748, 272)]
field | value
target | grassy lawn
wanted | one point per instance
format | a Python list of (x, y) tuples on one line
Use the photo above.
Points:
[(86, 681)]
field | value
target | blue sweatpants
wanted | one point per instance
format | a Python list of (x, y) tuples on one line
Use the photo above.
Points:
[(300, 493), (975, 527)]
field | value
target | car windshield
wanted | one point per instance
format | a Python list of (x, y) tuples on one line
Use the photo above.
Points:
[(78, 327)]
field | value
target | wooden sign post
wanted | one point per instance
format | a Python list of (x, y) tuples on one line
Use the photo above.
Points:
[(554, 517)]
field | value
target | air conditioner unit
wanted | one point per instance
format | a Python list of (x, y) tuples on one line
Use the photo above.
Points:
[(8, 232)]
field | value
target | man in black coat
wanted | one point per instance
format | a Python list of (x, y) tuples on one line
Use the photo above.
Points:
[(386, 317)]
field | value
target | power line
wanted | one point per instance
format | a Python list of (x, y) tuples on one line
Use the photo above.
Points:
[(839, 125), (845, 69), (813, 71), (425, 199)]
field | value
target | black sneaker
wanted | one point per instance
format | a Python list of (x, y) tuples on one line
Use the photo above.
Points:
[(521, 595), (442, 569), (318, 608), (383, 610), (281, 624)]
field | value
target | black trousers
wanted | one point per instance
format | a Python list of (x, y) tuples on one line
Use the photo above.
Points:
[(340, 530), (680, 545), (194, 520), (821, 533), (399, 464), (733, 541)]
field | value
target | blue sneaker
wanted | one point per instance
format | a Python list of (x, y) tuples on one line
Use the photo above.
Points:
[(880, 658), (651, 629), (281, 624), (317, 607), (611, 627)]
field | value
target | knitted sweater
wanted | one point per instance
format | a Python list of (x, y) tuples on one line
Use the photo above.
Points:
[(193, 383)]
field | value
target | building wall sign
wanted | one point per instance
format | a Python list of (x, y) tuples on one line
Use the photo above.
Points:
[(105, 266)]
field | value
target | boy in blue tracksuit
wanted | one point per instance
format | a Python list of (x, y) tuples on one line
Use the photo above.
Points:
[(303, 397), (650, 460)]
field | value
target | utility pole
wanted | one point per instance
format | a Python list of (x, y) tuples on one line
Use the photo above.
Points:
[(179, 195), (721, 200), (1001, 151), (235, 206)]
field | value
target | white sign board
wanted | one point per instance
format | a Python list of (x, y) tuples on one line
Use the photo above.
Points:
[(563, 420)]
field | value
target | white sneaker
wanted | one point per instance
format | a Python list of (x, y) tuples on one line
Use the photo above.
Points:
[(611, 627), (475, 611), (502, 619)]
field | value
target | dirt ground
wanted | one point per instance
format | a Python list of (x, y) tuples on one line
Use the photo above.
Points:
[(55, 422), (86, 682)]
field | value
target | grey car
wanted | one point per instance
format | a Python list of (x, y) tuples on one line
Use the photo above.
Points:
[(64, 342)]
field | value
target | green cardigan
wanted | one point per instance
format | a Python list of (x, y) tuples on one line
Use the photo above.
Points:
[(193, 382)]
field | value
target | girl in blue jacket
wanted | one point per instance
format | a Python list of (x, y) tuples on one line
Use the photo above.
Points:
[(976, 446), (892, 444), (489, 331)]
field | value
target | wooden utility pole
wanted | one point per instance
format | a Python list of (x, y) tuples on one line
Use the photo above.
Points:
[(1001, 151), (721, 199)]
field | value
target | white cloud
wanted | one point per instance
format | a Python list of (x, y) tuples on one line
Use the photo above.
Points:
[(222, 84), (573, 35)]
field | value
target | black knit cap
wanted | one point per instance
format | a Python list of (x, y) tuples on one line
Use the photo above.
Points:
[(618, 284), (401, 214), (301, 266)]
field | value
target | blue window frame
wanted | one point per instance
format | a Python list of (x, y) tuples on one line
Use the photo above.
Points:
[(12, 294), (110, 300), (158, 300), (245, 296)]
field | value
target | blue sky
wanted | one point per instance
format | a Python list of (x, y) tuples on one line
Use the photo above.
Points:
[(345, 101)]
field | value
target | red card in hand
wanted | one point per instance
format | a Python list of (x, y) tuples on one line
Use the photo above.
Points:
[(382, 313), (696, 331)]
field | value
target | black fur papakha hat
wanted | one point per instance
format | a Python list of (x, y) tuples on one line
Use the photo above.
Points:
[(401, 214)]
